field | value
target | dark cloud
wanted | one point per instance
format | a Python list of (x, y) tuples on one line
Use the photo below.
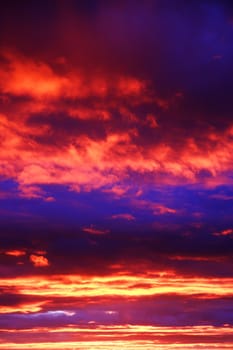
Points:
[(170, 310)]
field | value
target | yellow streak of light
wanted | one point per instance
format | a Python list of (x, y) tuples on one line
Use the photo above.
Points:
[(206, 330), (116, 345), (118, 285)]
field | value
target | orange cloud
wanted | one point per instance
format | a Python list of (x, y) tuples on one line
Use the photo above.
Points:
[(39, 260), (15, 252), (23, 76), (94, 164), (83, 162)]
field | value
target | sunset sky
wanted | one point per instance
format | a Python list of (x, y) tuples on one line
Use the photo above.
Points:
[(116, 174)]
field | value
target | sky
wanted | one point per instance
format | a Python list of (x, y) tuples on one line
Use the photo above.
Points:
[(116, 174)]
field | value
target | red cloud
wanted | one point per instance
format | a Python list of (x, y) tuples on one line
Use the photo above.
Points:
[(162, 209), (227, 232), (94, 231)]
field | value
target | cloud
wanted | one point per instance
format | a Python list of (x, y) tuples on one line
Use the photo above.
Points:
[(23, 76), (125, 216), (39, 260), (227, 232), (161, 209), (94, 231), (95, 164), (157, 208), (49, 136), (116, 336), (16, 253)]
